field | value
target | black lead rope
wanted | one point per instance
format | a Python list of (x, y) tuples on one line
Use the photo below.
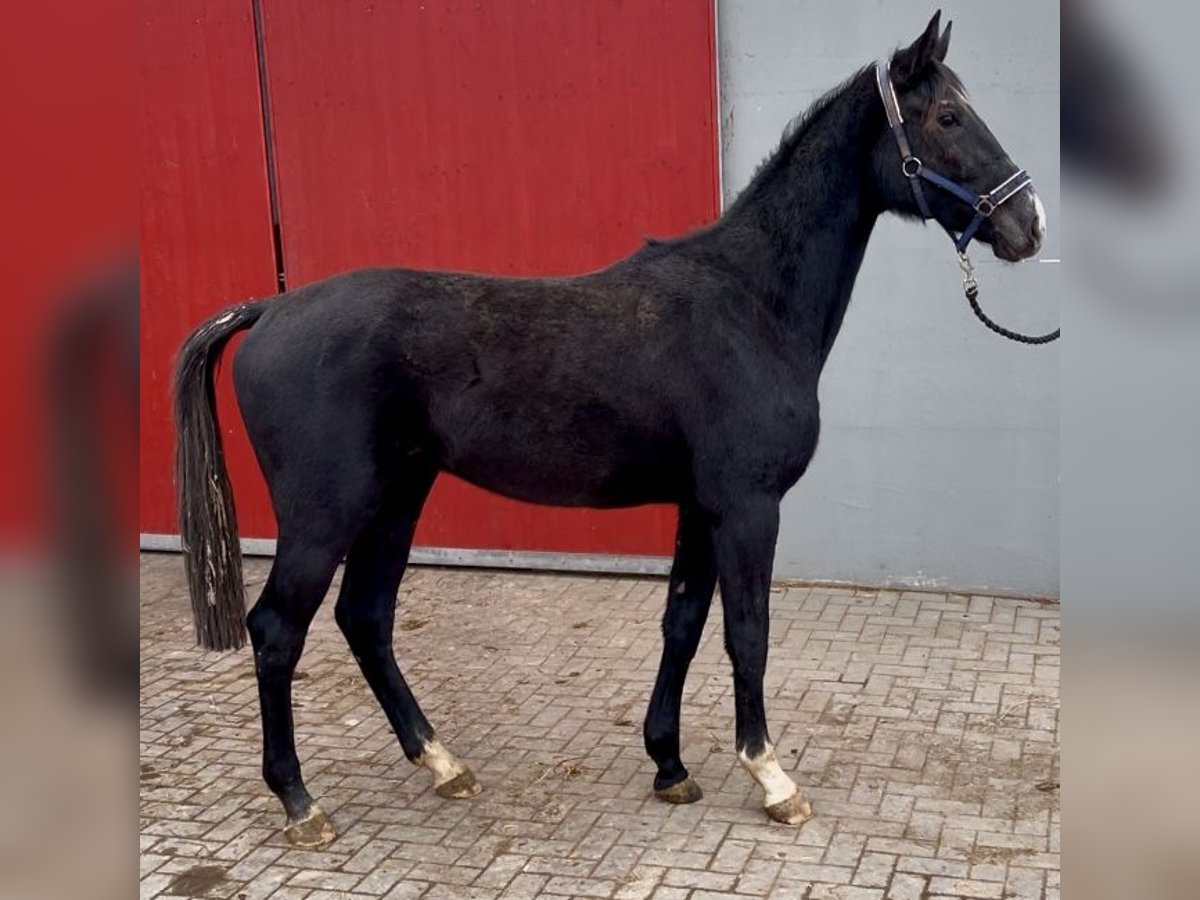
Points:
[(984, 204), (971, 291)]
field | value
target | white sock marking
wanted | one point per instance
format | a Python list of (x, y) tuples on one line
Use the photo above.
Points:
[(765, 769), (441, 762)]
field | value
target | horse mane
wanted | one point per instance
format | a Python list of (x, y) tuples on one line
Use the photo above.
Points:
[(794, 134), (797, 129), (937, 75)]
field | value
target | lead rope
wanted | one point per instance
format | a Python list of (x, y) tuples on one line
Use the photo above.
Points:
[(971, 291)]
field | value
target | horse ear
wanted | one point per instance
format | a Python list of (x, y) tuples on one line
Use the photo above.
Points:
[(912, 61), (943, 44)]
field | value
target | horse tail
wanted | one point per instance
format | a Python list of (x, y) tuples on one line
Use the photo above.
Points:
[(212, 556)]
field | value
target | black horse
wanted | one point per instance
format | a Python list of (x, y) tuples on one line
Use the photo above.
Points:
[(684, 374)]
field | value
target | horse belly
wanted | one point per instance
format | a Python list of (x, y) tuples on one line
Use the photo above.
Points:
[(619, 468)]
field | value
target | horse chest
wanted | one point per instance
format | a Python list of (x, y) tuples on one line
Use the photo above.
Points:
[(788, 440), (766, 439)]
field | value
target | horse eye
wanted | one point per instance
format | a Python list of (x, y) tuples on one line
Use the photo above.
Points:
[(948, 119)]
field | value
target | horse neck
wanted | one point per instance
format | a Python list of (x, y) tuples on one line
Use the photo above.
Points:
[(801, 227)]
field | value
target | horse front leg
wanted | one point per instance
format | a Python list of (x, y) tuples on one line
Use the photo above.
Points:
[(745, 550)]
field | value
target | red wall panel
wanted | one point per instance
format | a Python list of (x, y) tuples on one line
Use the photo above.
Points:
[(510, 137), (68, 211), (205, 221), (516, 137)]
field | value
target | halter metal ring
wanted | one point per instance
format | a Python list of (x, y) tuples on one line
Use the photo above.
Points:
[(911, 166), (984, 206)]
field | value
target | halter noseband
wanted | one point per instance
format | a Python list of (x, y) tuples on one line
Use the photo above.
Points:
[(914, 170)]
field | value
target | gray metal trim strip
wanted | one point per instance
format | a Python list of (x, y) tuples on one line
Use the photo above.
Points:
[(488, 559)]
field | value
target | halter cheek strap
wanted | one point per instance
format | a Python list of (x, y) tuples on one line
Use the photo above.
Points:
[(916, 171), (910, 165)]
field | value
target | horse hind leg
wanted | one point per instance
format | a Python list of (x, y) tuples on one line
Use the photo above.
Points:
[(278, 623), (689, 596), (366, 612)]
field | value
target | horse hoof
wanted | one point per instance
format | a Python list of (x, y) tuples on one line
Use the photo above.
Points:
[(686, 791), (461, 787), (795, 810), (313, 831)]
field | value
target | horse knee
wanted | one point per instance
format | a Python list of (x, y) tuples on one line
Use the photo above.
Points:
[(681, 640)]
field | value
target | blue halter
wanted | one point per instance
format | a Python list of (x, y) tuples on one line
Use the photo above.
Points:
[(914, 170)]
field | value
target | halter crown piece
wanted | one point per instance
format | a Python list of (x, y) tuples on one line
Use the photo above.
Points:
[(983, 204)]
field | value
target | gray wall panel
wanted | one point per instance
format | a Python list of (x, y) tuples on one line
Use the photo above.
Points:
[(938, 463)]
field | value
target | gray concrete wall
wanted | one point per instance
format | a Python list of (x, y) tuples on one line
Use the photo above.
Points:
[(938, 463)]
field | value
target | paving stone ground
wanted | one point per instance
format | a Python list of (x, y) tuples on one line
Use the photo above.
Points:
[(923, 727)]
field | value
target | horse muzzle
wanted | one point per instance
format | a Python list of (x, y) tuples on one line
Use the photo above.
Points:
[(1019, 228)]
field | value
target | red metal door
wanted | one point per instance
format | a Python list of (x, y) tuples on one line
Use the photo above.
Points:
[(515, 137), (205, 222)]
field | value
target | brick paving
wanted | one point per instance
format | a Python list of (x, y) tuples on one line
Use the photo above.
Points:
[(923, 727)]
